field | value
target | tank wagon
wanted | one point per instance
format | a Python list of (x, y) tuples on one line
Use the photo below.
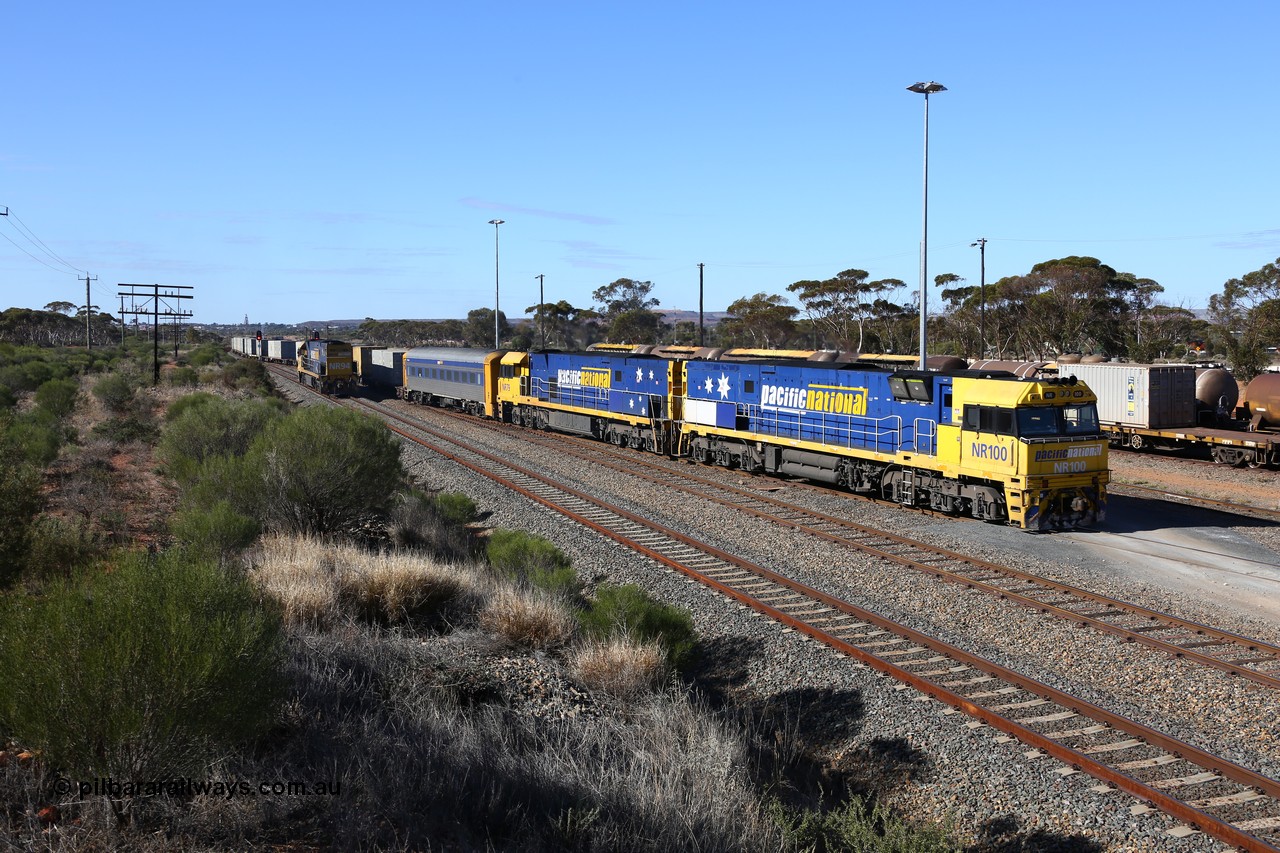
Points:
[(326, 366)]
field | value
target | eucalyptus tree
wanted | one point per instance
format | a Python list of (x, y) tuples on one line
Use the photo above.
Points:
[(840, 306), (763, 321), (1246, 318)]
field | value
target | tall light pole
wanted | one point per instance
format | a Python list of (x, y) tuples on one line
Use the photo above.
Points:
[(702, 335), (542, 301), (495, 223), (981, 243), (925, 89)]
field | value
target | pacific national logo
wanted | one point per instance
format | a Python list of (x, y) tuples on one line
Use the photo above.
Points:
[(1068, 453), (828, 399), (587, 377)]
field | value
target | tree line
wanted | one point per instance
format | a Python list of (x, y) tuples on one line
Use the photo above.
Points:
[(1064, 305)]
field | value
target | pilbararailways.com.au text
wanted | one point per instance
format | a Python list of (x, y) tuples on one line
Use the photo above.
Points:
[(183, 786)]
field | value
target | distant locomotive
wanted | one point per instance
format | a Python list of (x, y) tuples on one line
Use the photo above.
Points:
[(326, 366)]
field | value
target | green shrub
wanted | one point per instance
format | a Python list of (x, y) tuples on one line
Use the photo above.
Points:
[(210, 426), (455, 507), (325, 470), (60, 548), (856, 826), (185, 402), (33, 437), (214, 532), (187, 377), (20, 501), (123, 430), (116, 392), (205, 354), (58, 397), (532, 559), (630, 611), (416, 522), (247, 374), (152, 670)]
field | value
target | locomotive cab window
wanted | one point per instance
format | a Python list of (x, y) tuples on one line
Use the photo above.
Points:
[(989, 419)]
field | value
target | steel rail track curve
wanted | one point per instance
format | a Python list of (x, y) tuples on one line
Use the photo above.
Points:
[(1033, 591)]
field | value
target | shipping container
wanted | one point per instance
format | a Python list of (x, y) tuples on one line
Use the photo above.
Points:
[(387, 367), (1145, 396), (281, 350)]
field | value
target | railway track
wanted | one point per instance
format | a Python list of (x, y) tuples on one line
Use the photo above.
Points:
[(1239, 655), (1205, 792), (1194, 500)]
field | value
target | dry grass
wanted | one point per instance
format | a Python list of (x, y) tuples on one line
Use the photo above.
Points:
[(528, 617), (318, 583), (619, 665)]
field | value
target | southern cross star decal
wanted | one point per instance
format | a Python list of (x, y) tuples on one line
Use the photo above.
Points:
[(632, 402), (723, 387), (708, 384), (639, 374)]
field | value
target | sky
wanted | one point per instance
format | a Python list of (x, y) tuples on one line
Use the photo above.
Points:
[(298, 161)]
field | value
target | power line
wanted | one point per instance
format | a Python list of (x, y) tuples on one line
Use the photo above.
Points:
[(31, 236), (25, 231)]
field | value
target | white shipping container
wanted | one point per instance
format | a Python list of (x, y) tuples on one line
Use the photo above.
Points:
[(1144, 396)]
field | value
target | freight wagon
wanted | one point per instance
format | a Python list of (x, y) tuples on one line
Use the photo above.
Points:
[(1175, 407)]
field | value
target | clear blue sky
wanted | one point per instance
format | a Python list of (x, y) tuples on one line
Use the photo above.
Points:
[(297, 161)]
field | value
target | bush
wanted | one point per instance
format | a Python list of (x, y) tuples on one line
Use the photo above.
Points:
[(147, 672), (209, 426), (33, 437), (214, 532), (416, 522), (61, 548), (20, 501), (127, 429), (455, 507), (533, 560), (116, 392), (58, 397), (618, 666), (316, 582), (185, 402), (246, 374), (857, 826), (325, 470), (629, 611), (187, 377), (528, 617)]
